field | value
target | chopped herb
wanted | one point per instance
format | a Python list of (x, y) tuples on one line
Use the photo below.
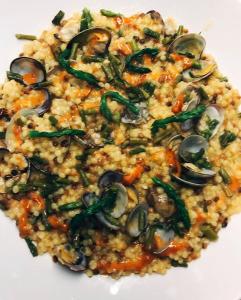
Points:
[(106, 112), (186, 53), (116, 117), (209, 232), (197, 65), (35, 159), (105, 133), (202, 93), (180, 30), (134, 142), (84, 178), (2, 135), (33, 249), (153, 34), (59, 133), (149, 87), (181, 117), (137, 150), (83, 116), (64, 63), (89, 59), (28, 37), (181, 214), (71, 206), (83, 157), (53, 121), (226, 138), (108, 73), (136, 56), (40, 85), (90, 112), (109, 14), (223, 79), (44, 219), (203, 163), (176, 263), (58, 18), (105, 201), (73, 52), (134, 46), (14, 76), (225, 176), (212, 124), (116, 65), (86, 20)]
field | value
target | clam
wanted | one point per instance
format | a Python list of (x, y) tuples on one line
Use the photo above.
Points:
[(192, 146), (194, 75), (137, 220), (47, 101), (78, 265), (190, 44), (10, 138), (160, 202), (174, 142), (129, 118), (31, 70), (210, 121), (185, 180), (18, 173), (108, 178), (158, 238), (193, 99), (101, 35), (194, 171)]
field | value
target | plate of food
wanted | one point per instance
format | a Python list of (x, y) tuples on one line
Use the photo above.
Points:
[(120, 150)]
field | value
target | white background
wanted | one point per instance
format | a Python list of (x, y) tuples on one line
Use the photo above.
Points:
[(217, 275)]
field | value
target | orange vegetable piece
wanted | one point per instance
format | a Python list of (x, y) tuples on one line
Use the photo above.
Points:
[(135, 174), (174, 247), (119, 21), (57, 224), (30, 78), (235, 184), (173, 161), (178, 105)]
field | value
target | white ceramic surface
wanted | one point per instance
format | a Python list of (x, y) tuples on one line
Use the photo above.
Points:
[(217, 275)]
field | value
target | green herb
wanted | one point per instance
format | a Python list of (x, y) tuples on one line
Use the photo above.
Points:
[(153, 34), (89, 59), (120, 33), (64, 132), (109, 14), (181, 117), (83, 157), (35, 159), (14, 76), (84, 178), (115, 64), (149, 87), (53, 121), (73, 52), (181, 214), (134, 142), (225, 176), (202, 93), (71, 206), (208, 232), (203, 163), (134, 46), (86, 20), (168, 39), (51, 184), (137, 150), (44, 219), (180, 30), (105, 133), (226, 138), (2, 135), (48, 205), (28, 37), (223, 79), (108, 73), (197, 65), (116, 117), (40, 85), (105, 201), (90, 112), (136, 56), (64, 63), (19, 122), (58, 18), (33, 249), (176, 263), (83, 116), (186, 53), (211, 125), (106, 112)]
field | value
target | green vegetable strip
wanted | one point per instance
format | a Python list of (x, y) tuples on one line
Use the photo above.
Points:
[(40, 85), (109, 13), (28, 37), (70, 206), (53, 121), (58, 18), (51, 134), (138, 55), (106, 112), (14, 76), (107, 200), (155, 35), (226, 138), (89, 59), (181, 117), (32, 247), (225, 176), (108, 74), (182, 213), (83, 176), (73, 51), (86, 19), (64, 63), (137, 150)]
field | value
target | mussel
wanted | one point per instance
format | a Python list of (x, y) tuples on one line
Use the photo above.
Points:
[(78, 265), (158, 238), (188, 44), (31, 70), (137, 220), (160, 202), (18, 169), (210, 121), (100, 36), (194, 75)]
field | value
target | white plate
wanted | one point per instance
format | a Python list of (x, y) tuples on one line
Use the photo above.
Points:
[(217, 275)]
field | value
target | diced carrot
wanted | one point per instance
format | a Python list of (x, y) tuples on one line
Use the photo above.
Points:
[(147, 60), (126, 265), (38, 199), (165, 76), (135, 174), (57, 224), (174, 247), (201, 218), (178, 105), (119, 21), (172, 161), (235, 184), (26, 204), (17, 130), (187, 62), (30, 78), (124, 48), (134, 79), (23, 225)]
